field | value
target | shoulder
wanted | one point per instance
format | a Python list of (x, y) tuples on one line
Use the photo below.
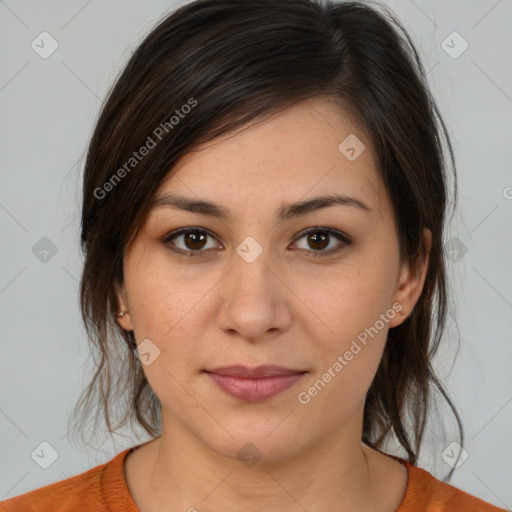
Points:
[(428, 494), (95, 489)]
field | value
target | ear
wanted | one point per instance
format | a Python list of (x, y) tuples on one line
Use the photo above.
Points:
[(410, 282), (122, 301)]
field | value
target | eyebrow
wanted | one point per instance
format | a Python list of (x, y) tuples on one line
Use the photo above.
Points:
[(212, 209)]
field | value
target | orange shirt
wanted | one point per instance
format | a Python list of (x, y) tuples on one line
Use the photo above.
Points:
[(103, 488)]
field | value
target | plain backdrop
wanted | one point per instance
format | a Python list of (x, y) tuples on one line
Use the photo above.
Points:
[(48, 107)]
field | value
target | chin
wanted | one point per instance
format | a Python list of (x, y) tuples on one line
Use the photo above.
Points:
[(252, 445)]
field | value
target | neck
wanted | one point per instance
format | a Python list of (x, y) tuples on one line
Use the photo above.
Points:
[(186, 474)]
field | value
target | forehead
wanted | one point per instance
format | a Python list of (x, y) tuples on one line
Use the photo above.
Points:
[(305, 150)]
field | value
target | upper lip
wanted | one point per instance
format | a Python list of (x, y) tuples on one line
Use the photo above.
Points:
[(258, 372)]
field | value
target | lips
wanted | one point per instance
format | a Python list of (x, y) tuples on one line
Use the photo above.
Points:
[(258, 372), (254, 384)]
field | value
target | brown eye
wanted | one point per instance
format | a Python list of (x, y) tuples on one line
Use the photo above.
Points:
[(194, 240), (188, 240), (318, 239)]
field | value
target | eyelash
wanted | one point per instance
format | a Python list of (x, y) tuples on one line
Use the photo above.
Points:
[(315, 254)]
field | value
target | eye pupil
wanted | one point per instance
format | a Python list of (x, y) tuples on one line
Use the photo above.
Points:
[(194, 237), (315, 237)]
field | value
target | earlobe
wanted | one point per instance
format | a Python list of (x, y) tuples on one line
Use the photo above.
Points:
[(123, 317)]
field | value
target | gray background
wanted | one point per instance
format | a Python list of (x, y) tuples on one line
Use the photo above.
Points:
[(48, 107)]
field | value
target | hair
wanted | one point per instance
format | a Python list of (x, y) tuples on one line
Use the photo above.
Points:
[(211, 67)]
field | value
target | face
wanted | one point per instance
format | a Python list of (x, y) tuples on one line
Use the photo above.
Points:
[(315, 290)]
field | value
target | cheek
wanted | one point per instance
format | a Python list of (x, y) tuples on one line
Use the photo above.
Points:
[(157, 293), (352, 315), (348, 300), (348, 359), (169, 309)]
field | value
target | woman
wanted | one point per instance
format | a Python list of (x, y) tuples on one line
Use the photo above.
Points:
[(263, 211)]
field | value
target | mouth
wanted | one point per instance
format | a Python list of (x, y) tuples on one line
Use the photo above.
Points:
[(254, 384), (258, 372)]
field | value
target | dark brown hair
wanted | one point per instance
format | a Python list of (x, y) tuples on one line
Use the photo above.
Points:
[(211, 67)]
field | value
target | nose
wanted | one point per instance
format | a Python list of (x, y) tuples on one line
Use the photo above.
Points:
[(255, 300)]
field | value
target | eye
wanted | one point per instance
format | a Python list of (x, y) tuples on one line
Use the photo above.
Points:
[(194, 240), (320, 238)]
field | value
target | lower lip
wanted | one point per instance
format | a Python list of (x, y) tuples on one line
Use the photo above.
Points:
[(255, 390)]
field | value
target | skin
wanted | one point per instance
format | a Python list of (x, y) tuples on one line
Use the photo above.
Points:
[(285, 308)]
